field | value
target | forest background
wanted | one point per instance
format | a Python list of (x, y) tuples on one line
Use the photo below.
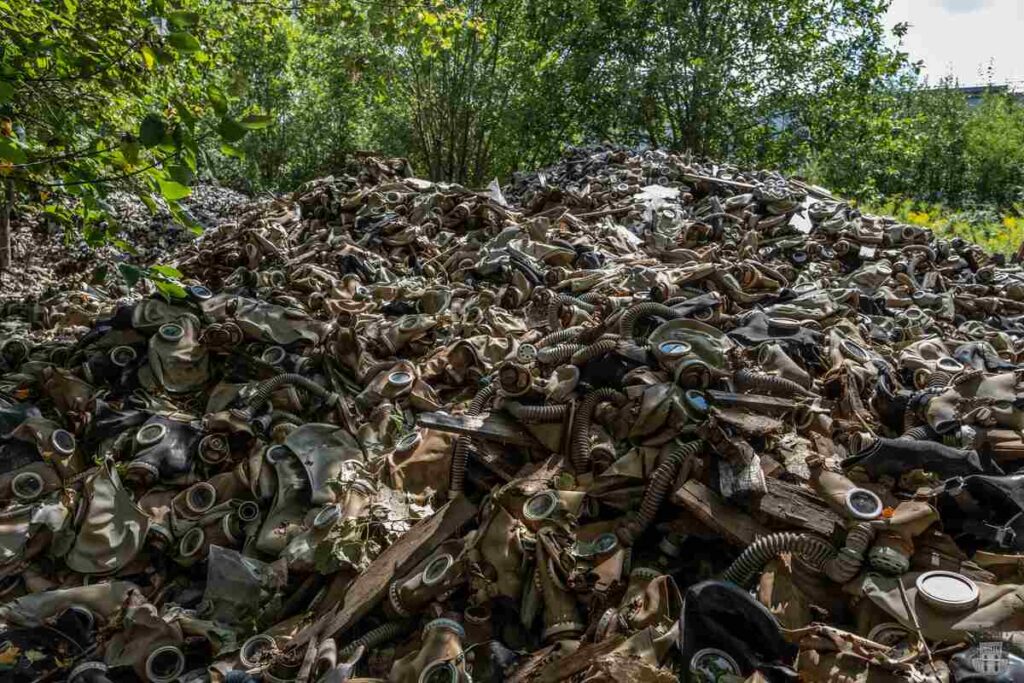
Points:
[(262, 95)]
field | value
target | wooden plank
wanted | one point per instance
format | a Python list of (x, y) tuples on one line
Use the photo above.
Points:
[(696, 178), (789, 505), (567, 667), (772, 405), (494, 426), (730, 522), (372, 585)]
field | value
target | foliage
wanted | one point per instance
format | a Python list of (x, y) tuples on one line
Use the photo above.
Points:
[(264, 94), (98, 92), (1000, 231)]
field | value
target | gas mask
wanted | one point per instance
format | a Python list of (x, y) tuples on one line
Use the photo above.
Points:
[(440, 657), (164, 451), (396, 336), (894, 544), (433, 578), (178, 362), (28, 530), (111, 528), (323, 450), (291, 500), (263, 321), (389, 384), (68, 393), (421, 460), (498, 554)]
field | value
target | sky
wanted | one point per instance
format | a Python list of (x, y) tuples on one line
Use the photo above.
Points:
[(959, 37)]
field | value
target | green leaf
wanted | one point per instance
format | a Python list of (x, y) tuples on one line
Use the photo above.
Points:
[(152, 130), (171, 290), (147, 199), (183, 19), (256, 121), (130, 273), (6, 91), (231, 130), (218, 100), (185, 219), (9, 151), (99, 275), (180, 174), (184, 113), (130, 150), (183, 42), (229, 151), (173, 191), (167, 271), (148, 57), (125, 247)]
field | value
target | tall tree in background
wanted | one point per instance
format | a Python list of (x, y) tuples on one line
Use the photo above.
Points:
[(742, 79)]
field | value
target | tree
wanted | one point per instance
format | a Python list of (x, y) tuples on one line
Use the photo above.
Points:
[(103, 92)]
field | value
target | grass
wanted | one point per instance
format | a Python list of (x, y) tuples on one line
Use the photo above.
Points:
[(995, 230)]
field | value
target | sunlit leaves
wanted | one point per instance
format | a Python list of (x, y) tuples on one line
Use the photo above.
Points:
[(256, 121), (182, 19), (218, 100), (11, 151), (148, 56), (172, 190), (185, 42), (167, 271)]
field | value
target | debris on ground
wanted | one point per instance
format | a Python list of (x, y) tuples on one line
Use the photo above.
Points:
[(49, 258), (631, 417)]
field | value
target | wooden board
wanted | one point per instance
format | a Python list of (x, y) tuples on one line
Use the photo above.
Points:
[(493, 426), (736, 526), (788, 506), (771, 405)]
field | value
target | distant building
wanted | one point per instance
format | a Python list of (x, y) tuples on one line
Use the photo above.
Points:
[(975, 93)]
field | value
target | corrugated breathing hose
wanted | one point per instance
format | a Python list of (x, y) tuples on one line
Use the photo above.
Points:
[(660, 481), (595, 350), (747, 380), (939, 379), (559, 353), (457, 480), (375, 637), (268, 387), (555, 306), (815, 551), (847, 563), (921, 433), (567, 335), (529, 413), (581, 427), (634, 313)]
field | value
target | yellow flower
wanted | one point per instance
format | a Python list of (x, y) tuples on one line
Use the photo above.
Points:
[(918, 217)]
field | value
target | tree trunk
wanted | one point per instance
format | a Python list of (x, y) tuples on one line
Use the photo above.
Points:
[(5, 226)]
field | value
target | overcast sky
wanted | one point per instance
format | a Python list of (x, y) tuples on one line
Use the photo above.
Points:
[(959, 37)]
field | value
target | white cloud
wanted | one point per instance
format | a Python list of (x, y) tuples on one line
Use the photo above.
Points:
[(961, 37)]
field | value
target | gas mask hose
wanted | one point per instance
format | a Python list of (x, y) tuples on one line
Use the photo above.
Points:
[(457, 480), (812, 549), (657, 489), (581, 429)]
